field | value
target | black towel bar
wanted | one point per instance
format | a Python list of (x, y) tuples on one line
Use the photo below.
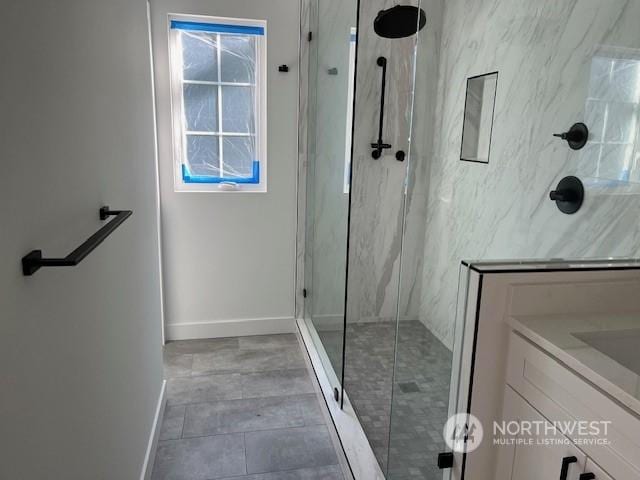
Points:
[(32, 262)]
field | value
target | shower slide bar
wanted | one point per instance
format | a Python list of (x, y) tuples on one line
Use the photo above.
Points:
[(380, 145), (32, 262)]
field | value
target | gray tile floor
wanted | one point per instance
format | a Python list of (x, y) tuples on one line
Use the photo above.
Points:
[(242, 408), (404, 416)]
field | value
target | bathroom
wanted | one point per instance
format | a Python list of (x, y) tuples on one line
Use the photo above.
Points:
[(325, 239)]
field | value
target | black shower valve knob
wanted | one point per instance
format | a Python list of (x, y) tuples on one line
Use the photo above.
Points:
[(576, 137), (568, 195)]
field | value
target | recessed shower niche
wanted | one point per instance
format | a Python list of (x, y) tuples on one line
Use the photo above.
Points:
[(478, 117)]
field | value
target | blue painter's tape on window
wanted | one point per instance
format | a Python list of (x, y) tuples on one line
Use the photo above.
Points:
[(187, 177), (217, 27)]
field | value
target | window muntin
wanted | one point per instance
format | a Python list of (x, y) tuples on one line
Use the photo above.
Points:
[(218, 100)]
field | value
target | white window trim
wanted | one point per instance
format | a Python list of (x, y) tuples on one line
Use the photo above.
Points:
[(178, 120)]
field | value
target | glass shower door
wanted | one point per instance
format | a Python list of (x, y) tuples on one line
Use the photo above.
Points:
[(331, 84), (423, 359), (397, 368), (490, 104)]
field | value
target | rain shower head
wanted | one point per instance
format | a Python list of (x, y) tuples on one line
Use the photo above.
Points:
[(400, 21)]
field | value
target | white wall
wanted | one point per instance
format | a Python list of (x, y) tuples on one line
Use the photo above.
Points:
[(229, 258), (80, 357)]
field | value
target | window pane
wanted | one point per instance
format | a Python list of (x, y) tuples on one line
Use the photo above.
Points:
[(238, 155), (199, 56), (201, 107), (625, 76), (238, 57), (621, 123), (238, 109), (202, 155)]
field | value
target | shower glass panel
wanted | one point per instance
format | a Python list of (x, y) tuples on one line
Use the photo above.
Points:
[(418, 207), (423, 350), (501, 208), (400, 415), (331, 86)]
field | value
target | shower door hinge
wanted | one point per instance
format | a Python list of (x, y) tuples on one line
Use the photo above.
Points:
[(310, 36), (304, 293)]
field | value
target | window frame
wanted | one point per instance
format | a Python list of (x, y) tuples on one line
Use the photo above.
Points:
[(178, 117)]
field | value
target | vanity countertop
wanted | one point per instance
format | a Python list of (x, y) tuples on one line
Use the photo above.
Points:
[(604, 349)]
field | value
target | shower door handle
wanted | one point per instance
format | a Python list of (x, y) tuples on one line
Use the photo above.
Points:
[(379, 146)]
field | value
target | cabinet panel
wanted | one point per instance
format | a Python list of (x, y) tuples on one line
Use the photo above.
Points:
[(537, 460), (600, 474), (561, 395)]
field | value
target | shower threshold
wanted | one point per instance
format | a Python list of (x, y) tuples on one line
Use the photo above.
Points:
[(357, 449)]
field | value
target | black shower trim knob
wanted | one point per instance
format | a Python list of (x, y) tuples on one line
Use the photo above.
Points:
[(568, 195), (576, 137)]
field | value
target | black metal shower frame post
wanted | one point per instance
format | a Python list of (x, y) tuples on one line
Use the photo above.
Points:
[(353, 128)]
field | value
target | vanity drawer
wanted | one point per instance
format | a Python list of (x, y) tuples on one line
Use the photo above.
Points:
[(561, 395)]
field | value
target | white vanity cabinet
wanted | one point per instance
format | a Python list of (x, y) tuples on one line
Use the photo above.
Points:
[(539, 387)]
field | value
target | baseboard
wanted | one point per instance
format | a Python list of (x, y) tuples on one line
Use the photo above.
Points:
[(231, 328), (150, 455)]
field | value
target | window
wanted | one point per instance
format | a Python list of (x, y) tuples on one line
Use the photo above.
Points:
[(612, 114), (218, 92)]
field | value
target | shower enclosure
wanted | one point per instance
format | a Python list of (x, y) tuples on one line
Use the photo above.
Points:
[(452, 156)]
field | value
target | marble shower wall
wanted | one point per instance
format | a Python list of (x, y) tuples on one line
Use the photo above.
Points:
[(543, 51), (421, 147), (377, 189), (378, 196), (387, 228)]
